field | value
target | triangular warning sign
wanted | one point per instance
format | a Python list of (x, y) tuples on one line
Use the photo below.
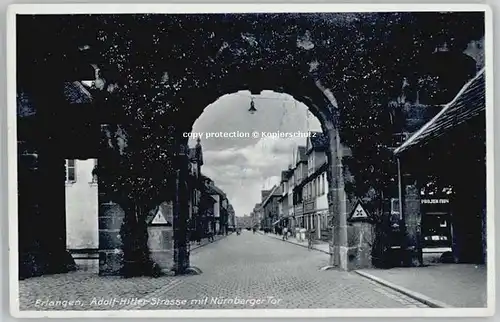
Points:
[(359, 212), (159, 218)]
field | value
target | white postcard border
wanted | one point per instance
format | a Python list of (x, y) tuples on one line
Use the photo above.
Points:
[(242, 8)]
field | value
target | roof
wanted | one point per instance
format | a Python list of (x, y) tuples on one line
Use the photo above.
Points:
[(285, 175), (218, 191), (312, 176), (469, 102), (301, 154), (208, 198), (318, 141), (205, 178), (76, 93), (196, 153), (275, 192), (265, 193)]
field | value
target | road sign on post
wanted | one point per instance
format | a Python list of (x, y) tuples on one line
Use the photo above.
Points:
[(359, 213)]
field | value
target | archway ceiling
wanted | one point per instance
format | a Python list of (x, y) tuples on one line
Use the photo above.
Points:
[(206, 56)]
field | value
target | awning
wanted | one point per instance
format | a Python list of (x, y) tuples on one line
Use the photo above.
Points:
[(468, 103)]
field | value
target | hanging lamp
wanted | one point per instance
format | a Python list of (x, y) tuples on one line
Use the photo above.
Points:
[(252, 108)]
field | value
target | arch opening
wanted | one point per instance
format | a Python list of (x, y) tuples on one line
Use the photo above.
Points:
[(280, 127)]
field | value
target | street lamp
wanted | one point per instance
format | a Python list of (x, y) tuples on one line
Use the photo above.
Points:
[(252, 108)]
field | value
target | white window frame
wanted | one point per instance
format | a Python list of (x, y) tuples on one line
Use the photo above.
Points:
[(325, 183), (67, 170)]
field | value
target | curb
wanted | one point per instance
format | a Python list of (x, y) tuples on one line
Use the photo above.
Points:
[(199, 246), (290, 242), (414, 295)]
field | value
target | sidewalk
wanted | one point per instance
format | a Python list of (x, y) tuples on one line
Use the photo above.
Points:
[(85, 285), (91, 264), (318, 244), (437, 285), (204, 242)]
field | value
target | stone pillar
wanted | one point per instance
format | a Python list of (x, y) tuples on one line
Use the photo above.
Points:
[(181, 210), (110, 213), (412, 219), (339, 247), (42, 247), (29, 217), (42, 216), (110, 244)]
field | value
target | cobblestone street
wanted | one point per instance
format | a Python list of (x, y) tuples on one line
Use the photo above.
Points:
[(246, 271)]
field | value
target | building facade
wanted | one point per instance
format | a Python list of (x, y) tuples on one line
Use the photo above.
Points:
[(299, 174), (257, 216), (283, 200), (315, 186), (244, 222), (82, 232), (270, 206), (231, 220)]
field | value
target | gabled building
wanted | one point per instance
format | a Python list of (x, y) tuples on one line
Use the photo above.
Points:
[(231, 219), (315, 186), (299, 174), (257, 217), (283, 202), (270, 206), (220, 208), (289, 185), (196, 187)]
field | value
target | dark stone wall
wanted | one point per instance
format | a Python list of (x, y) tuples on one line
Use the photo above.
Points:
[(110, 244), (412, 221)]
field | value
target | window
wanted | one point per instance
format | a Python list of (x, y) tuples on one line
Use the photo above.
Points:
[(70, 171), (325, 181)]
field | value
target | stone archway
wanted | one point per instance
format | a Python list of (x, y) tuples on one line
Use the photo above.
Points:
[(151, 89), (321, 104)]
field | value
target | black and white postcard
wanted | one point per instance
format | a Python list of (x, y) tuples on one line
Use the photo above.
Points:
[(197, 160)]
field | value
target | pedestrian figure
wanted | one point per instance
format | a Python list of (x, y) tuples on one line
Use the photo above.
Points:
[(285, 233), (310, 238), (210, 236), (197, 237), (302, 234)]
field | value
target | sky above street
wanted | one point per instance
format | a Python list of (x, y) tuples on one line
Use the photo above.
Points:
[(243, 166)]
